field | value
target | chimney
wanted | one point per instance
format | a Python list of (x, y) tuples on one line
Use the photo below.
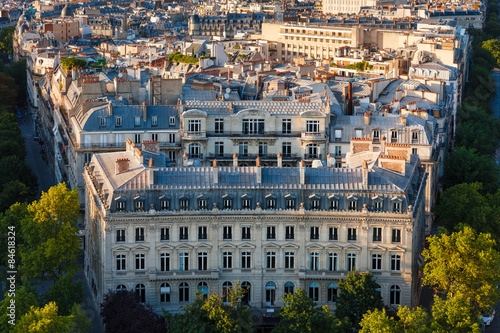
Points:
[(280, 161), (151, 163), (302, 170), (152, 146), (403, 121), (436, 113), (235, 160), (367, 118), (382, 145), (121, 165), (349, 103), (144, 111), (138, 155), (185, 159), (110, 109), (329, 160), (215, 172), (365, 174), (259, 170)]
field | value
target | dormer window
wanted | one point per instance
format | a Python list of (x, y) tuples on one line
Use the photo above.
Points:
[(118, 121), (314, 202), (352, 203), (202, 204), (333, 203), (184, 203), (164, 203), (270, 201), (227, 201), (377, 204), (246, 202), (137, 121), (394, 136), (102, 122), (396, 207), (139, 204), (120, 206), (338, 135), (289, 202), (414, 137), (171, 121), (359, 133), (154, 121)]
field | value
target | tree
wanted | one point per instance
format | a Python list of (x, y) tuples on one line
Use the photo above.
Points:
[(377, 321), (301, 314), (65, 293), (11, 221), (24, 299), (357, 294), (6, 40), (454, 315), (47, 320), (212, 314), (493, 45), (474, 168), (415, 320), (51, 243), (464, 204), (72, 62), (123, 312), (464, 264)]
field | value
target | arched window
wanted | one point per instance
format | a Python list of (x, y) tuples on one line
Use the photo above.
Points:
[(395, 296), (247, 297), (203, 289), (226, 289), (165, 293), (314, 291), (270, 293), (183, 292), (332, 292), (140, 289), (121, 287), (289, 287)]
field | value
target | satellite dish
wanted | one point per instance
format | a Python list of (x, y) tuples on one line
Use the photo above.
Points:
[(120, 98), (228, 90), (243, 74), (112, 65), (226, 96), (298, 75), (120, 74)]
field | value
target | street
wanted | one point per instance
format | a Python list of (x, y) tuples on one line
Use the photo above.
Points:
[(45, 181)]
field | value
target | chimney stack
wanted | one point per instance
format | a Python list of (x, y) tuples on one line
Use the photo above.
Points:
[(349, 103), (382, 145), (259, 170), (152, 146), (215, 172), (365, 174), (110, 109), (302, 178), (280, 161), (144, 111), (235, 160), (185, 159), (367, 118), (121, 165), (403, 121), (329, 160)]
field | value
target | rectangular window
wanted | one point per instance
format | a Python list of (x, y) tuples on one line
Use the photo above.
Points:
[(139, 234), (194, 126), (246, 259), (312, 126), (102, 122), (121, 262), (245, 233), (396, 235), (202, 261), (184, 261), (227, 232), (333, 233), (171, 121), (137, 121), (202, 233), (414, 151), (246, 204), (271, 233), (164, 234), (289, 232), (334, 205), (289, 260), (351, 262), (137, 138), (219, 126), (395, 262), (414, 137), (253, 126), (290, 203), (139, 206), (394, 136), (171, 155), (243, 149), (227, 259), (120, 206), (359, 133), (171, 137), (154, 121), (184, 204), (333, 261), (202, 204), (183, 233), (219, 148), (396, 207), (140, 260), (271, 259), (338, 135), (314, 233), (154, 136), (377, 206), (118, 121), (377, 234), (287, 149), (338, 151), (227, 203), (376, 261), (314, 261), (164, 261), (376, 136), (351, 234), (120, 235), (165, 204), (352, 204), (262, 148), (271, 203), (286, 126)]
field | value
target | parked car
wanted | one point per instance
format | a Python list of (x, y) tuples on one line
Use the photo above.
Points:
[(487, 319), (19, 115)]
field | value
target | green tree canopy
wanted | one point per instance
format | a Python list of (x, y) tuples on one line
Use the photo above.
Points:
[(73, 62), (493, 45), (357, 294), (377, 321), (464, 264), (65, 293), (454, 315), (301, 314), (474, 168), (6, 40), (51, 242), (25, 298)]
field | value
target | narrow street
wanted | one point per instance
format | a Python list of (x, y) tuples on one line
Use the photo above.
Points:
[(45, 181)]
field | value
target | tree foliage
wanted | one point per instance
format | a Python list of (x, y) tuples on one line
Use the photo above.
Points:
[(24, 298), (65, 293), (178, 57), (51, 243), (493, 45), (6, 40), (72, 62), (464, 264), (301, 314), (454, 315), (357, 295), (122, 312), (377, 321)]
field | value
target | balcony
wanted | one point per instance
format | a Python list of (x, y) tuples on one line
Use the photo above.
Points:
[(196, 135), (271, 157), (265, 134), (212, 274), (313, 156), (313, 135)]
